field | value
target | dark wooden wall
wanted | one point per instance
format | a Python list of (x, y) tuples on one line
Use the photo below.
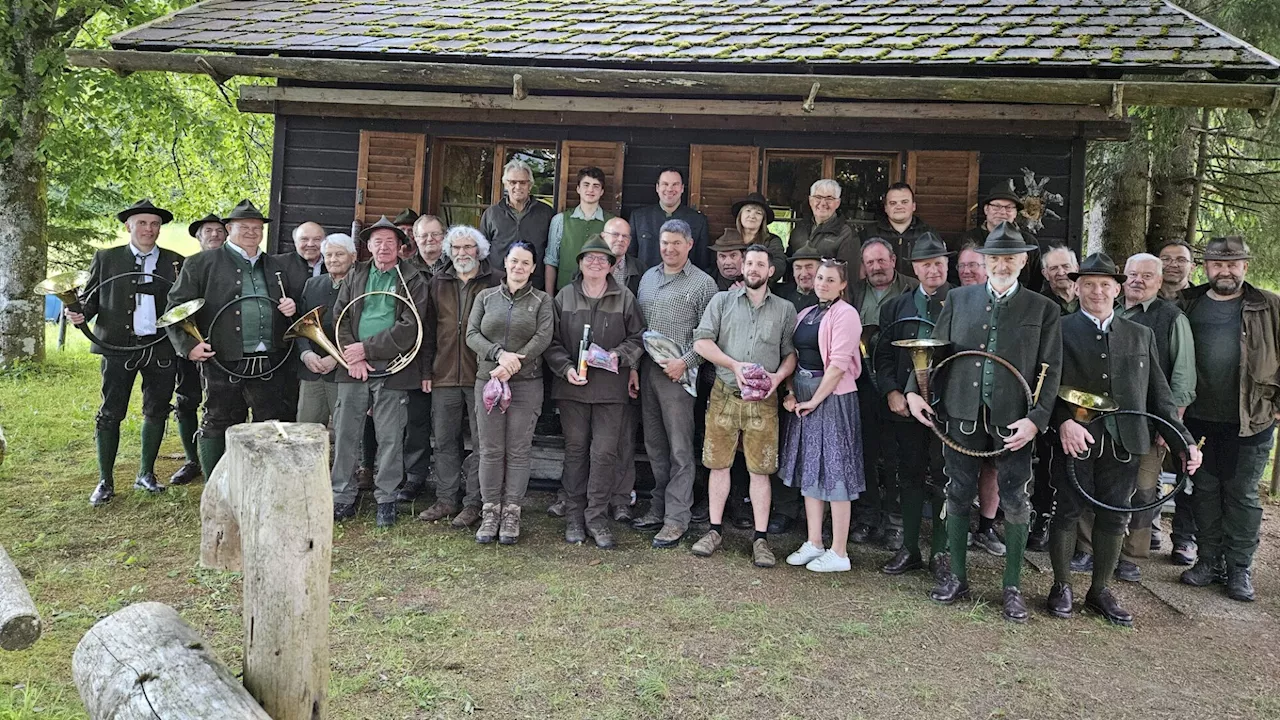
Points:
[(314, 176)]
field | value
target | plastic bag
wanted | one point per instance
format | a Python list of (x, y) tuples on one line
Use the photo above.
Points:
[(757, 385), (598, 357), (660, 347), (497, 393)]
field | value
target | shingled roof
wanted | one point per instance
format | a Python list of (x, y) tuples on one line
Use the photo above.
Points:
[(1128, 35)]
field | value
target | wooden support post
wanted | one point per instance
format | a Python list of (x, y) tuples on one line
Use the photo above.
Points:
[(269, 509), (517, 87), (19, 621), (145, 662)]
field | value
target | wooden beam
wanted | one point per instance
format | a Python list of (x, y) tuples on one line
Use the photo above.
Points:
[(1109, 130), (686, 83), (331, 97)]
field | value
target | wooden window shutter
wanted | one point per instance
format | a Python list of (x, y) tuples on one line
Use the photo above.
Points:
[(719, 176), (391, 174), (578, 154), (946, 185)]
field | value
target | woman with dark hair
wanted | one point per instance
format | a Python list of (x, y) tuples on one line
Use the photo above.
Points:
[(509, 329), (822, 448), (752, 215)]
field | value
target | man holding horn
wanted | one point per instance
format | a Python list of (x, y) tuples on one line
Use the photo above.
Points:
[(1003, 318)]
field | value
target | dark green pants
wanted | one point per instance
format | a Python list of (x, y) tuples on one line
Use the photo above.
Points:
[(1225, 491)]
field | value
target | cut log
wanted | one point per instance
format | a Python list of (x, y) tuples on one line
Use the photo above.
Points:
[(4, 446), (146, 662), (268, 508), (19, 621)]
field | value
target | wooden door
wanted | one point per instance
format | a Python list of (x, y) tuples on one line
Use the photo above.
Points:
[(391, 174)]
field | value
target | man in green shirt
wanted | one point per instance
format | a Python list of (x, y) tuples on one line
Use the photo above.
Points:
[(376, 332), (570, 229)]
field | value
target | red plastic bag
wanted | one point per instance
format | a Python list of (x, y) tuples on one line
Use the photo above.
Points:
[(497, 393), (757, 385)]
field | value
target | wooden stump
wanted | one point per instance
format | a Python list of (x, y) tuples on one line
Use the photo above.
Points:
[(4, 446), (146, 662), (269, 509), (19, 621)]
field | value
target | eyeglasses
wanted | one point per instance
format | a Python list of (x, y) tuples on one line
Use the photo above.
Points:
[(617, 235), (595, 259), (1175, 261), (824, 199), (968, 266), (1002, 206), (517, 183), (463, 248), (431, 236)]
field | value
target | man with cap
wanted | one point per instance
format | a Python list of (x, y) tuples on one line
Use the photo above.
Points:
[(1237, 338), (126, 311), (405, 221), (728, 249), (1106, 355), (804, 268), (248, 338), (900, 226), (983, 408), (1002, 204), (211, 234), (913, 456), (377, 330)]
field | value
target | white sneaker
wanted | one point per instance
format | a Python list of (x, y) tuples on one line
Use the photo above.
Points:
[(829, 561), (807, 553)]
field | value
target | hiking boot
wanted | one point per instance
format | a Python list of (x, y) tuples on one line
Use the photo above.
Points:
[(103, 493), (364, 479), (1038, 539), (778, 524), (1106, 605), (557, 508), (1156, 540), (707, 544), (489, 520), (413, 487), (1204, 573), (647, 523), (1183, 554), (829, 562), (1128, 571), (861, 533), (892, 540), (603, 537), (147, 482), (700, 513), (386, 514), (988, 541), (1240, 584), (762, 556), (669, 536), (575, 532), (622, 514), (187, 474), (1015, 608), (438, 511), (805, 554), (343, 511), (1082, 562), (509, 533), (468, 517)]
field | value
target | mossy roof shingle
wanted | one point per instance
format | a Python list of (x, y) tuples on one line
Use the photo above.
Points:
[(1125, 34)]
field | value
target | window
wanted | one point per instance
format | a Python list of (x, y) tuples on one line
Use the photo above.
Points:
[(863, 181), (467, 175)]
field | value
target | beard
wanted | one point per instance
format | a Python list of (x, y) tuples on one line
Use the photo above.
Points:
[(465, 264), (1225, 284), (755, 282)]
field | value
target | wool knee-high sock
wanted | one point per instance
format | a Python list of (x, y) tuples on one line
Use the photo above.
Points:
[(938, 538), (1015, 539), (211, 450), (188, 424), (1062, 545), (1106, 553), (958, 542), (912, 508), (152, 436), (108, 442)]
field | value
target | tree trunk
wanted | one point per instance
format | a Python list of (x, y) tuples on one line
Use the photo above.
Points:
[(23, 215), (145, 662), (4, 446), (19, 621), (269, 509), (1126, 212), (1202, 164), (1173, 175)]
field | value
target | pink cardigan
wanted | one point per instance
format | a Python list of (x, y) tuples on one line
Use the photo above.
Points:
[(839, 333)]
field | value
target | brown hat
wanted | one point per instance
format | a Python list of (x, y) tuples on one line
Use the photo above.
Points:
[(384, 224), (407, 216), (755, 198), (729, 241), (1231, 247), (807, 252)]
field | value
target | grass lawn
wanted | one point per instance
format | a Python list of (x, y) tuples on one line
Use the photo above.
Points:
[(427, 624)]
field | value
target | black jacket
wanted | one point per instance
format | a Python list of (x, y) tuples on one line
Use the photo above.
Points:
[(112, 304), (213, 275), (297, 269), (1122, 364), (893, 364), (319, 291)]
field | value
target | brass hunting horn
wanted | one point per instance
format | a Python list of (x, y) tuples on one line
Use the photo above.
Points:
[(181, 315), (921, 359), (1085, 406), (308, 326), (68, 286), (401, 361), (1032, 397)]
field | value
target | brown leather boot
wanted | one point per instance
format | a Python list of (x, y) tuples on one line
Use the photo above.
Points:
[(439, 511)]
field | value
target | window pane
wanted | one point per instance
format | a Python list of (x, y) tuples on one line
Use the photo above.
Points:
[(467, 183), (863, 183), (788, 190), (543, 162)]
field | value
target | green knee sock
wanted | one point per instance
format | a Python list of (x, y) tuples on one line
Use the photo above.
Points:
[(1106, 553), (912, 507), (108, 441), (188, 424), (1015, 539), (1062, 545), (152, 436), (211, 450), (958, 540), (938, 539)]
